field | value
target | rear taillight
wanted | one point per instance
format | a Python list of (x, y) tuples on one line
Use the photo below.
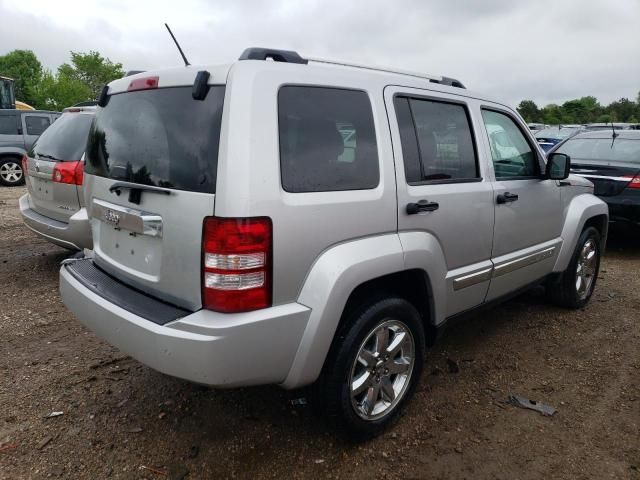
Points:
[(68, 172), (236, 264), (635, 181)]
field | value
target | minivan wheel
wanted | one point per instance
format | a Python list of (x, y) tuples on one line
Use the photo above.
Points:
[(576, 284), (11, 172), (374, 365)]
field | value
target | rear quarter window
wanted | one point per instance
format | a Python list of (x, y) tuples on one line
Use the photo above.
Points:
[(327, 140), (36, 124)]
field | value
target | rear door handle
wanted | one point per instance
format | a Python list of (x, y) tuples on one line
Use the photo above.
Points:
[(507, 197), (421, 206)]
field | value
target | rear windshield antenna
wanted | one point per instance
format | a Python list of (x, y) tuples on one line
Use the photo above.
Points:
[(186, 62)]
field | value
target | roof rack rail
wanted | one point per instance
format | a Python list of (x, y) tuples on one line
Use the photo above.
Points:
[(289, 56)]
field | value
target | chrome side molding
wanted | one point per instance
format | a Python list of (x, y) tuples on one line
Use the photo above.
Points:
[(521, 262), (486, 274), (472, 279)]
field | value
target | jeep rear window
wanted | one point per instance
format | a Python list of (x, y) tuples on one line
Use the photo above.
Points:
[(65, 139), (327, 140), (160, 137)]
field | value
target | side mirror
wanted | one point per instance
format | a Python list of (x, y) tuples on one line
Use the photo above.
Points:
[(558, 165)]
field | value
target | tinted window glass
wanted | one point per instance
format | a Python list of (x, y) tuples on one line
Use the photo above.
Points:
[(444, 142), (65, 140), (327, 140), (620, 150), (160, 137), (8, 125), (512, 155), (36, 124)]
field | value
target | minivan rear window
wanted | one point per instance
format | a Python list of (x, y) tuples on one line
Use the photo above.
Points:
[(65, 139), (160, 137)]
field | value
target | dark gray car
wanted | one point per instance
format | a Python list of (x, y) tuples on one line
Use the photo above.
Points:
[(19, 129)]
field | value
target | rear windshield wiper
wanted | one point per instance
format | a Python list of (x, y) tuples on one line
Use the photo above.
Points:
[(135, 190)]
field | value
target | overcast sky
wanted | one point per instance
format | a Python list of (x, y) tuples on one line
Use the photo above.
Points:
[(545, 50)]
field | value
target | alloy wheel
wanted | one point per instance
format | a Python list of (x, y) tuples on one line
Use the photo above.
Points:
[(11, 172), (382, 370), (586, 268)]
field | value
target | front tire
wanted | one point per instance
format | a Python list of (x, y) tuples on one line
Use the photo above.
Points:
[(576, 284), (11, 173), (373, 366)]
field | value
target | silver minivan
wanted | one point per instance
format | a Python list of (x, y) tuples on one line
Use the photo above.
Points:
[(53, 206)]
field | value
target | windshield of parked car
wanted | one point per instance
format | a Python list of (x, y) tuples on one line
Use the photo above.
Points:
[(605, 149), (559, 133), (65, 139)]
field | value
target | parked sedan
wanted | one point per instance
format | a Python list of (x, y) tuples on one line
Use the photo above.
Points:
[(550, 137), (612, 162), (54, 205)]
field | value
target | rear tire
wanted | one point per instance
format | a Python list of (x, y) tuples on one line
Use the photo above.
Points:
[(373, 366), (576, 284), (11, 173)]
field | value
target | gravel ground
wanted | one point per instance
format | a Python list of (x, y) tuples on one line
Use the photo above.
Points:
[(123, 420)]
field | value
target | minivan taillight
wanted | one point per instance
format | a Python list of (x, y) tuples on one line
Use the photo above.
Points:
[(68, 172), (236, 264), (635, 181)]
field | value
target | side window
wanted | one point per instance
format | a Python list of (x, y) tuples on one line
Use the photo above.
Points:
[(437, 141), (36, 124), (327, 140), (511, 153), (8, 125)]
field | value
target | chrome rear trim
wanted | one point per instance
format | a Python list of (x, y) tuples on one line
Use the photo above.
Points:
[(120, 217)]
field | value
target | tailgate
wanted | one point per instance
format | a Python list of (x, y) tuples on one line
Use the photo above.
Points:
[(51, 199), (151, 172)]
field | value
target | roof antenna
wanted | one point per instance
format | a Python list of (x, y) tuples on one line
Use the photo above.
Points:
[(613, 137), (186, 62)]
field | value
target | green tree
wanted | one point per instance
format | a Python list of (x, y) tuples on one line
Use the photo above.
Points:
[(58, 92), (622, 110), (91, 69), (552, 114), (529, 111), (25, 68)]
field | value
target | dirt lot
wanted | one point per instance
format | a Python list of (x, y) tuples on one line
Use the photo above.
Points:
[(123, 420)]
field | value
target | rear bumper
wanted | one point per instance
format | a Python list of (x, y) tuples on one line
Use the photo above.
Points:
[(75, 234), (222, 350), (625, 207)]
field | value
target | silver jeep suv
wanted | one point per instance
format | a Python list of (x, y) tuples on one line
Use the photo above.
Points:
[(295, 222)]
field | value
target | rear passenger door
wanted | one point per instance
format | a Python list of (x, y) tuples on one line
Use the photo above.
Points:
[(442, 187), (528, 219), (33, 125)]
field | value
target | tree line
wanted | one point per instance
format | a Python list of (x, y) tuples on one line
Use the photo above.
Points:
[(79, 80), (581, 110)]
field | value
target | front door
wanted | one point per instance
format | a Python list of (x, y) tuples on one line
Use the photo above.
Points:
[(443, 191), (528, 213)]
